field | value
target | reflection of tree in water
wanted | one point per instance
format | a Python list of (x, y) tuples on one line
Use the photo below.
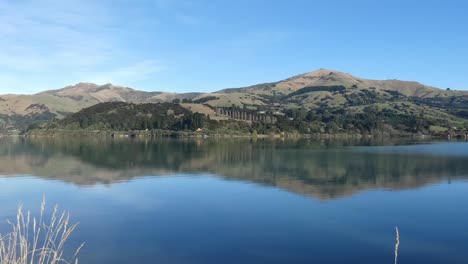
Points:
[(319, 169)]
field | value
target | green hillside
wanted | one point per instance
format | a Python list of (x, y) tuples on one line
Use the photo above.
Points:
[(20, 111), (121, 116), (377, 117), (323, 101)]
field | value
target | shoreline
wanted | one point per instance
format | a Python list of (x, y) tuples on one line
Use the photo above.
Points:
[(217, 134)]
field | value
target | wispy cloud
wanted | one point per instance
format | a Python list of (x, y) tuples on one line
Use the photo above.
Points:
[(39, 36), (49, 36), (50, 29), (128, 74), (182, 11)]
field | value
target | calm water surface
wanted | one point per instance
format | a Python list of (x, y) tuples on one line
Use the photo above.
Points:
[(238, 201)]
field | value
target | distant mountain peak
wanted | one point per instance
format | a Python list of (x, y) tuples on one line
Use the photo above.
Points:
[(84, 88), (325, 72), (85, 83), (81, 85)]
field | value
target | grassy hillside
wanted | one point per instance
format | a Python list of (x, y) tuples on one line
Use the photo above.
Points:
[(323, 91), (20, 111), (323, 78), (382, 118), (398, 103)]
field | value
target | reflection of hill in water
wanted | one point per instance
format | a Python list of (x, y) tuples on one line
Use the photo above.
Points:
[(311, 169)]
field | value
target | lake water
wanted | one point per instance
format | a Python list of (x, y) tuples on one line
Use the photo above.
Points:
[(242, 201)]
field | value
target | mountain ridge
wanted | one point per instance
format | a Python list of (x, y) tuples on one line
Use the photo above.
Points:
[(329, 77), (311, 90)]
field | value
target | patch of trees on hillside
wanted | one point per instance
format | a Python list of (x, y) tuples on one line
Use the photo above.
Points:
[(455, 105), (369, 120), (122, 116)]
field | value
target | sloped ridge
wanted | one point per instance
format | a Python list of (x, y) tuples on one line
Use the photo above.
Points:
[(308, 90)]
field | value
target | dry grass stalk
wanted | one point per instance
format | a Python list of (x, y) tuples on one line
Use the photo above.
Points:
[(397, 244), (37, 241)]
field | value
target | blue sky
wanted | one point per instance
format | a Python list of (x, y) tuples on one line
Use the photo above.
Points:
[(201, 45)]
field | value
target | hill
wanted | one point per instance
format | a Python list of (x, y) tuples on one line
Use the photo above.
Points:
[(121, 116), (326, 97), (19, 111), (289, 90), (324, 77)]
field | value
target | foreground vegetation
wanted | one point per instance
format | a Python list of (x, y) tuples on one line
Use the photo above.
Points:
[(37, 240)]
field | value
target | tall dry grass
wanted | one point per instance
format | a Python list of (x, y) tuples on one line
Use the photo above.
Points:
[(38, 240), (397, 244)]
